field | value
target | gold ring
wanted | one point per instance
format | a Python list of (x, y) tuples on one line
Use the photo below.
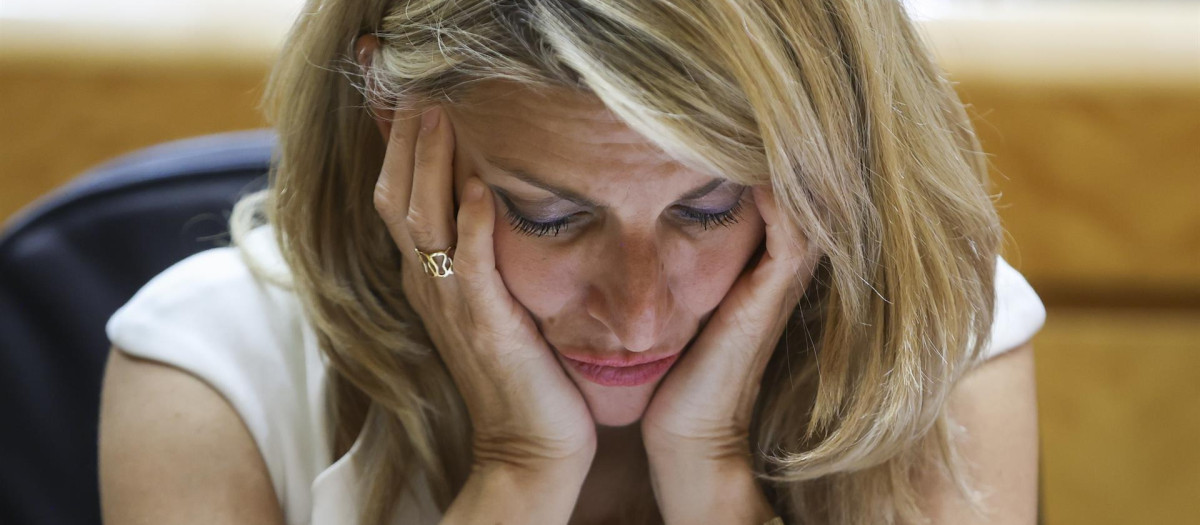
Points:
[(437, 264)]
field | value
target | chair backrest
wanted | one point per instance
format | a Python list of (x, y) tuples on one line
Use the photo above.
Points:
[(67, 263)]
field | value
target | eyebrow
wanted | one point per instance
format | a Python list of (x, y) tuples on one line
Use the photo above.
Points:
[(537, 180)]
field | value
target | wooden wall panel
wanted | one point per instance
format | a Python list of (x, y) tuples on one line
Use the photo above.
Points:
[(1092, 116), (61, 118), (1119, 410), (1099, 188)]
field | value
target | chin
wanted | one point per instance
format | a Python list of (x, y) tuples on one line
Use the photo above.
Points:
[(616, 406)]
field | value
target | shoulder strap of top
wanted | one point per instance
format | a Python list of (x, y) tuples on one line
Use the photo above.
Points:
[(1019, 311)]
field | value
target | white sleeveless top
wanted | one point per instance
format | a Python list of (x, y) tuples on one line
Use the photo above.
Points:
[(251, 341)]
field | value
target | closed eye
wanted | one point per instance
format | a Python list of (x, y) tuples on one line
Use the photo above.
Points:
[(534, 228), (707, 220), (552, 228)]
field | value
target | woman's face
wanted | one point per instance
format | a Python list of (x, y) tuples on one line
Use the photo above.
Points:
[(617, 251)]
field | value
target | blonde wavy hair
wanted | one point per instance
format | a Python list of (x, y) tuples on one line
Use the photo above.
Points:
[(834, 103)]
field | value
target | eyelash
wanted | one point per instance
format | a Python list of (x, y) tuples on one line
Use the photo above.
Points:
[(725, 218), (535, 229), (553, 228)]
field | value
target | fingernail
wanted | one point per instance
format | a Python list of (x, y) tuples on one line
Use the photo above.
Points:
[(474, 191), (430, 118)]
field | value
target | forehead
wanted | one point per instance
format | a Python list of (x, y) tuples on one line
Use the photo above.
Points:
[(559, 133)]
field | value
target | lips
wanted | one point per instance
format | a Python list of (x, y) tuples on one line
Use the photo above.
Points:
[(645, 369), (635, 360)]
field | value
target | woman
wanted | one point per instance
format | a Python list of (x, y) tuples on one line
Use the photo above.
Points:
[(540, 261)]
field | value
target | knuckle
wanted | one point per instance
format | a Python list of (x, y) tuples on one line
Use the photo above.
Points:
[(418, 225), (384, 202)]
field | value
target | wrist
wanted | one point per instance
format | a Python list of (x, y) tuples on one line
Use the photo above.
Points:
[(530, 462), (535, 473), (709, 491), (507, 493)]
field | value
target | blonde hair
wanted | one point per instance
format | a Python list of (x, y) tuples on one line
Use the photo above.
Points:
[(834, 103)]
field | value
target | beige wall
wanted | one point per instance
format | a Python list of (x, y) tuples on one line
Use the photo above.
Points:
[(1093, 121)]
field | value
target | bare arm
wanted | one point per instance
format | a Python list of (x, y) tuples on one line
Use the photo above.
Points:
[(503, 494), (997, 403), (173, 451)]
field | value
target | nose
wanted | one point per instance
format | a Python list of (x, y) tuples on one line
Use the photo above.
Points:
[(630, 293)]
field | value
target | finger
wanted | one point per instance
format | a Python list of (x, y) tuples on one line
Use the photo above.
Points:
[(475, 262), (788, 251), (430, 211), (394, 186), (778, 245)]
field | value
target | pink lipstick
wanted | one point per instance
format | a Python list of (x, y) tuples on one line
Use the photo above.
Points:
[(623, 375)]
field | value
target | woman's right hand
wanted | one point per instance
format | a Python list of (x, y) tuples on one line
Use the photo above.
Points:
[(525, 410)]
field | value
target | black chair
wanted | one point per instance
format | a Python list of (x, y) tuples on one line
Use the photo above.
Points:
[(66, 264)]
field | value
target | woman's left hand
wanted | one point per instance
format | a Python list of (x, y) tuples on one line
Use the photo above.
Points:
[(696, 428)]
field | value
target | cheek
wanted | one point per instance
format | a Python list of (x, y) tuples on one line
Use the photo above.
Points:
[(538, 278), (706, 273)]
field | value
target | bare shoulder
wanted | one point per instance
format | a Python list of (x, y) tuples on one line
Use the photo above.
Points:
[(174, 451), (996, 404)]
